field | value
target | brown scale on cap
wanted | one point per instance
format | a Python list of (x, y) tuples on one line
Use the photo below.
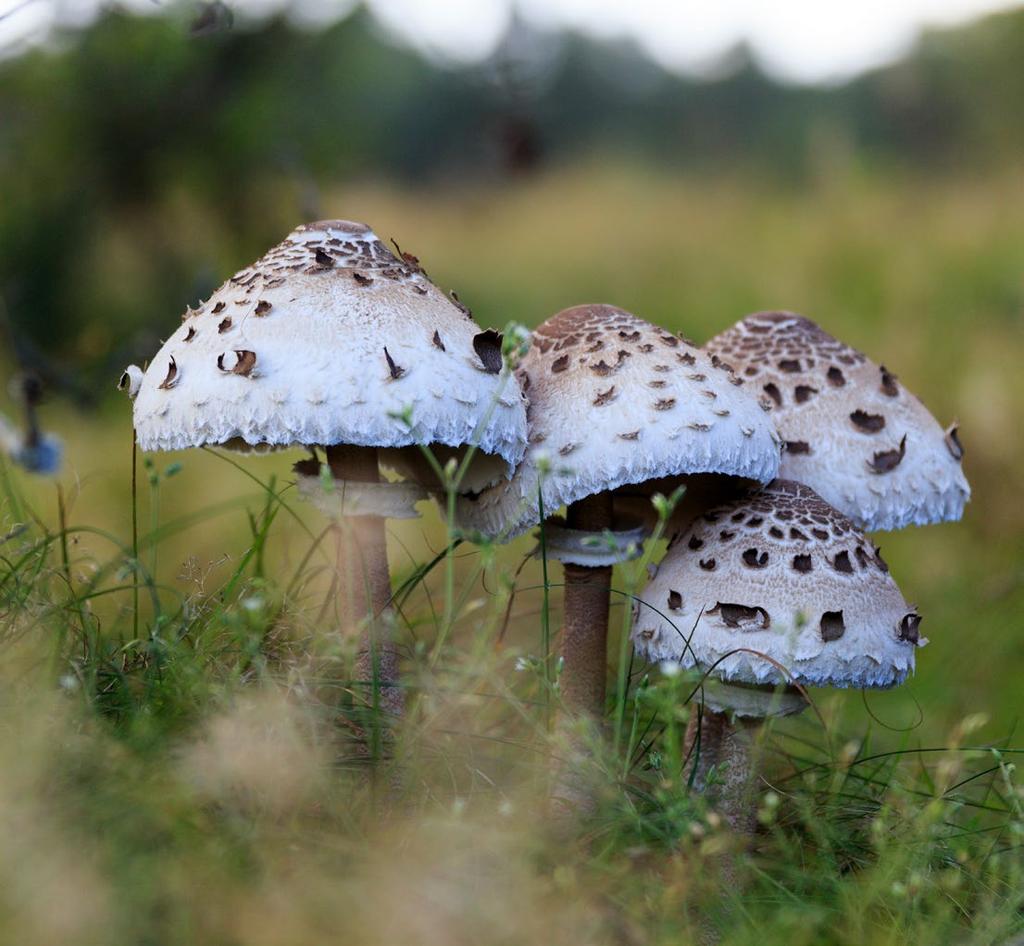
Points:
[(487, 345), (868, 423), (742, 616), (172, 377), (889, 386), (755, 559), (396, 371), (238, 362), (952, 438), (909, 627), (832, 625), (885, 461)]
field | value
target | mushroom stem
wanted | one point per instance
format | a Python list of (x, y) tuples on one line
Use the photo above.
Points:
[(585, 635), (366, 582), (723, 764)]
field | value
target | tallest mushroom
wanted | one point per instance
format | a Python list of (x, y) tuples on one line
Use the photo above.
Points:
[(332, 340)]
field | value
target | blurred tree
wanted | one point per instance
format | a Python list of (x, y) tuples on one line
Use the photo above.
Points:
[(137, 156)]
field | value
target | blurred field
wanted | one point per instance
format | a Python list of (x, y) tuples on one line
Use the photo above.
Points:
[(926, 277), (224, 816)]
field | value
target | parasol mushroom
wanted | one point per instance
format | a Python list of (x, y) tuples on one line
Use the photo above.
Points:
[(774, 589), (614, 401), (330, 339)]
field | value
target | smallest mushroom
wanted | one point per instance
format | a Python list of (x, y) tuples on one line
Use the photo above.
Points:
[(771, 590)]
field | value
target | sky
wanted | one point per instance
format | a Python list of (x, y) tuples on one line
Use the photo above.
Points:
[(804, 41)]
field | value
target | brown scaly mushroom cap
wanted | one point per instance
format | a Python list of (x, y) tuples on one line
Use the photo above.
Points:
[(853, 432), (782, 573), (615, 400), (326, 340)]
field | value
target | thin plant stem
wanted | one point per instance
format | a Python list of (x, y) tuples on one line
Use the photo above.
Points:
[(622, 671), (65, 560), (135, 535), (449, 564), (545, 615), (154, 518)]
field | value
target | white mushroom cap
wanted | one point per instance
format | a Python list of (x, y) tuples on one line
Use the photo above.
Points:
[(325, 340), (783, 574), (615, 400), (853, 433)]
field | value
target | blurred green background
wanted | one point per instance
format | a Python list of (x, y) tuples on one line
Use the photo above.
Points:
[(145, 159)]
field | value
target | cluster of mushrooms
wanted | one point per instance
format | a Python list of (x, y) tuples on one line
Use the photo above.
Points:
[(789, 442)]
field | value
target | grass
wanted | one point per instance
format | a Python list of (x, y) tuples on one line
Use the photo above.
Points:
[(186, 772)]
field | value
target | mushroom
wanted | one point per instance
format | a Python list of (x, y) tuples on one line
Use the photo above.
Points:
[(853, 432), (613, 401), (772, 590), (329, 339)]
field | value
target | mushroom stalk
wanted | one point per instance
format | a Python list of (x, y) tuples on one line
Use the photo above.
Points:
[(585, 634), (723, 764), (366, 583)]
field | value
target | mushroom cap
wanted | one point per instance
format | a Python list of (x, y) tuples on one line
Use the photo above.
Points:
[(853, 433), (615, 400), (782, 574), (323, 341)]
